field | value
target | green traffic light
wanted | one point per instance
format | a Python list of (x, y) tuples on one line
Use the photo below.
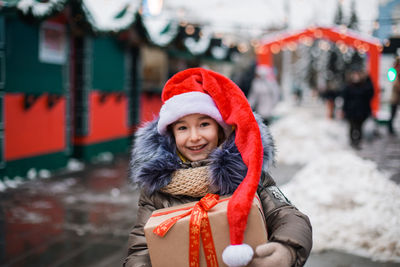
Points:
[(391, 75)]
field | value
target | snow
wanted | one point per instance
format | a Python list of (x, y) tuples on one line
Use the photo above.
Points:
[(352, 206), (113, 197), (62, 186), (24, 216), (219, 52), (156, 28), (3, 187), (40, 9), (75, 165), (103, 13), (201, 45), (300, 136)]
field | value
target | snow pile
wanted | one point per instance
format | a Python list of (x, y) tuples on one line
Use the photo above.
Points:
[(105, 15), (75, 165), (40, 9), (302, 137), (23, 215), (3, 187), (162, 29), (352, 206)]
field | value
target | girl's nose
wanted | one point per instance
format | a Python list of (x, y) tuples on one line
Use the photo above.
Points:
[(194, 135)]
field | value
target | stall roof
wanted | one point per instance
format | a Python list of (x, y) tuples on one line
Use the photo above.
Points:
[(233, 21)]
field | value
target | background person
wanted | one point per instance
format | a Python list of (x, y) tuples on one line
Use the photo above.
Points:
[(357, 95)]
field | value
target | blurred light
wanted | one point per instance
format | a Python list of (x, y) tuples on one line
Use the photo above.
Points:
[(391, 74), (343, 49), (152, 7), (218, 35), (189, 29), (318, 34), (228, 41), (376, 25), (339, 44), (255, 43), (262, 49), (363, 48), (292, 46), (343, 29), (275, 48), (395, 29), (180, 12), (243, 48), (308, 41), (324, 45)]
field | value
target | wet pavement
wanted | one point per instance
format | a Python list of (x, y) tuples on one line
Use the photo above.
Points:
[(83, 218), (75, 219)]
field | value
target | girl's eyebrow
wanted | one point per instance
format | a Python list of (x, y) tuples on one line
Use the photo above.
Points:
[(200, 118), (180, 121), (204, 117)]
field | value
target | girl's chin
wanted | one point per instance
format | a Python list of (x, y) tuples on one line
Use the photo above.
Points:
[(196, 157)]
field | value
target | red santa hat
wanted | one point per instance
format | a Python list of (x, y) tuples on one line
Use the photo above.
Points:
[(216, 91)]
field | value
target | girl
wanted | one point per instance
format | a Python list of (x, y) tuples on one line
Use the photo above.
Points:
[(207, 140)]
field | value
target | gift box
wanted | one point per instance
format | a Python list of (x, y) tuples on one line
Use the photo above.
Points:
[(171, 233)]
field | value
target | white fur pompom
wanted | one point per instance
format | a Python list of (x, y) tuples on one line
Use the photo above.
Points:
[(237, 255)]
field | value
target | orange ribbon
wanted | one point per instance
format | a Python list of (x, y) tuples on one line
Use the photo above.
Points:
[(199, 226)]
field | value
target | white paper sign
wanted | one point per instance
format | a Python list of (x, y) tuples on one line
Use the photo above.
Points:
[(52, 43)]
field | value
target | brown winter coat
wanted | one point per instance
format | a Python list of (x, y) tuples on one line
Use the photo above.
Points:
[(285, 223), (154, 161)]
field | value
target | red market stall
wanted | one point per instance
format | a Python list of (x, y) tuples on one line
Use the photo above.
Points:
[(275, 43)]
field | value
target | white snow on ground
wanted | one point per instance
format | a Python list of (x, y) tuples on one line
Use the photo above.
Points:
[(352, 206), (301, 136)]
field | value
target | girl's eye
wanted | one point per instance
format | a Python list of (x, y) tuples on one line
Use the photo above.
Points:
[(204, 124), (181, 128)]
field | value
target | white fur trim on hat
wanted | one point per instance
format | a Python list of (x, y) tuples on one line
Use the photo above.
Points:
[(186, 104)]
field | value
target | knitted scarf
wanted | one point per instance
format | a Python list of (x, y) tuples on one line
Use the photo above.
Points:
[(192, 180)]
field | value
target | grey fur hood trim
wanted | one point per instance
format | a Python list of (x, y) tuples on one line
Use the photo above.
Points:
[(154, 159)]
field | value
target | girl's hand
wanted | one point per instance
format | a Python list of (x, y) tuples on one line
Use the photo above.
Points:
[(273, 254)]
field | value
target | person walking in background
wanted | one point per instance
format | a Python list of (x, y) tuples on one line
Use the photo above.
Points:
[(330, 94), (357, 95), (264, 93), (395, 97)]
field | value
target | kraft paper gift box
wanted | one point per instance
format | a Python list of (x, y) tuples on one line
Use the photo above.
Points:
[(173, 248)]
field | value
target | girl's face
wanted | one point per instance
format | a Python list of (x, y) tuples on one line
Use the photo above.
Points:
[(196, 135)]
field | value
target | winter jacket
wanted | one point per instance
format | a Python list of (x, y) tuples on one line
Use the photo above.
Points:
[(154, 159), (356, 100)]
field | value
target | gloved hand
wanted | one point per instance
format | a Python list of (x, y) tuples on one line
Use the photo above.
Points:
[(273, 254)]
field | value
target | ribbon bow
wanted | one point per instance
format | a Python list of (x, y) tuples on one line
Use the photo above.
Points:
[(199, 226)]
